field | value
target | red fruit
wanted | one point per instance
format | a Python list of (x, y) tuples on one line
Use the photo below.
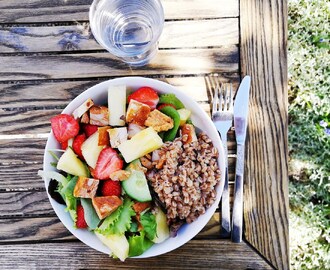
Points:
[(145, 95), (64, 127), (89, 129), (107, 163), (111, 188), (161, 106), (81, 222), (64, 145), (77, 142)]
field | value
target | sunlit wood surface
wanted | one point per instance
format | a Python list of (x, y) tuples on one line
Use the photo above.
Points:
[(48, 56)]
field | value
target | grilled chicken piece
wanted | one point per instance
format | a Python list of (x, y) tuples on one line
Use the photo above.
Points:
[(137, 112), (85, 187), (105, 205), (77, 113), (117, 136), (99, 116), (159, 121), (103, 135)]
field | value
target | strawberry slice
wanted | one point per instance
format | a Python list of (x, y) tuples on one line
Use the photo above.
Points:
[(77, 142), (81, 222), (145, 95), (64, 145), (64, 127), (89, 129), (111, 188), (107, 163)]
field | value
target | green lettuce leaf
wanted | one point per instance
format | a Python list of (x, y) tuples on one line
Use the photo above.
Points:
[(90, 215), (119, 221), (70, 200), (138, 244), (148, 221)]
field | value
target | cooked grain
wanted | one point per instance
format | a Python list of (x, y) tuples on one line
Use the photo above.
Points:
[(185, 176)]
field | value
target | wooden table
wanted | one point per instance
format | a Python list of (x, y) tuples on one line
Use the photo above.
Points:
[(48, 56)]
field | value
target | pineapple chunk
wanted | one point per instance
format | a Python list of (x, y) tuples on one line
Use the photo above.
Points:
[(117, 244), (117, 105), (162, 231), (91, 149), (141, 144), (69, 163), (184, 115), (117, 136)]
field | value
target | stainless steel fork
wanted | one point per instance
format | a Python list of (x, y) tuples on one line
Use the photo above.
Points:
[(222, 117)]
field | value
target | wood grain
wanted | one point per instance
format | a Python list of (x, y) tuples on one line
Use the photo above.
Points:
[(28, 203), (39, 95), (263, 56), (212, 254), (177, 34), (46, 11), (20, 230), (82, 65)]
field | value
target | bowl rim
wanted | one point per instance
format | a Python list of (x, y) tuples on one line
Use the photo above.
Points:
[(186, 232)]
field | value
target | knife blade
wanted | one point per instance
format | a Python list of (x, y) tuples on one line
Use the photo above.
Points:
[(241, 110)]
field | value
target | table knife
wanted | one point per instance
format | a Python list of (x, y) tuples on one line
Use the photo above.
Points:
[(241, 109)]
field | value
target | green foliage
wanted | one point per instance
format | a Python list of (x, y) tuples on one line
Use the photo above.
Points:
[(309, 133), (119, 221), (149, 224)]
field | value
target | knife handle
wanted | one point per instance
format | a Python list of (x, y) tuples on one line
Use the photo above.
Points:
[(237, 225), (225, 210), (237, 228)]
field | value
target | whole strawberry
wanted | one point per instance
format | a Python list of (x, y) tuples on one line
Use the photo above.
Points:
[(81, 222), (111, 188)]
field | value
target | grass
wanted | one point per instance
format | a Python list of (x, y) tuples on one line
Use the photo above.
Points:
[(309, 133)]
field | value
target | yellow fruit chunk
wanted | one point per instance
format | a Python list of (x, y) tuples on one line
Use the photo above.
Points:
[(118, 244), (142, 143), (163, 231), (69, 163), (184, 115), (91, 149), (117, 104)]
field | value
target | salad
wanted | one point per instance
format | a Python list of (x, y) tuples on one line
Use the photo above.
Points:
[(100, 177)]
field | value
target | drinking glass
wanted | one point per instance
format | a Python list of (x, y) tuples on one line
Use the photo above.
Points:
[(128, 29)]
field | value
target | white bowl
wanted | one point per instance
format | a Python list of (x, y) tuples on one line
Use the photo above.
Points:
[(200, 119)]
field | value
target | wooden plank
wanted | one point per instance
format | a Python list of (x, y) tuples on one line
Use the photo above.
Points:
[(15, 230), (31, 112), (77, 10), (30, 151), (50, 228), (178, 34), (23, 175), (82, 65), (196, 254), (29, 203), (263, 56), (25, 95)]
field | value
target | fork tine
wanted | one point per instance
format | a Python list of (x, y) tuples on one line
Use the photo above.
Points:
[(221, 98), (225, 102), (215, 100), (231, 99)]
